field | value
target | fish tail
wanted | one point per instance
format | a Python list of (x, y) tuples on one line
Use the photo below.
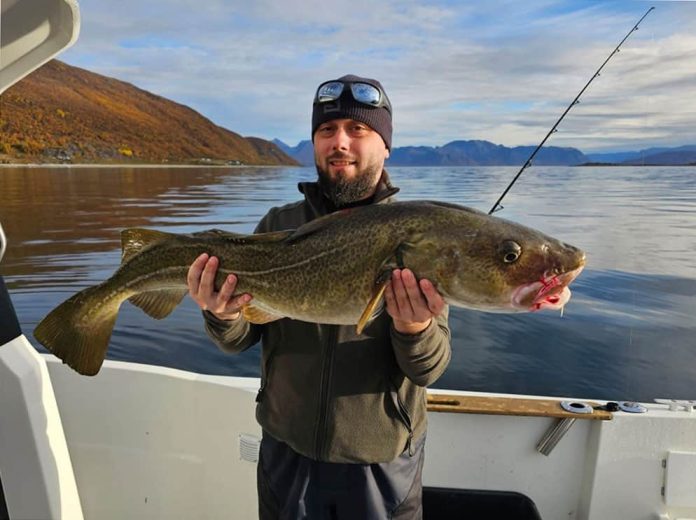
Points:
[(79, 329)]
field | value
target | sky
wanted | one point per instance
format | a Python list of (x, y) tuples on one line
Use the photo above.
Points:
[(499, 70)]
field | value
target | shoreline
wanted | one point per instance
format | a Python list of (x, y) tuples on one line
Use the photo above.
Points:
[(240, 166), (143, 165)]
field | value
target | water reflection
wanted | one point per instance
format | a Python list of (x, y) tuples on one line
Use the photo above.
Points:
[(55, 218), (627, 333)]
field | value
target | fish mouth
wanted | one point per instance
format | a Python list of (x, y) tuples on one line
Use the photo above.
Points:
[(550, 292)]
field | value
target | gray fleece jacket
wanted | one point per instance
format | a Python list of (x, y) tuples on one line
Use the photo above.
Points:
[(330, 394)]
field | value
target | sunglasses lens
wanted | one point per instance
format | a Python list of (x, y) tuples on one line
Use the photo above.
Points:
[(362, 92), (329, 91), (365, 93)]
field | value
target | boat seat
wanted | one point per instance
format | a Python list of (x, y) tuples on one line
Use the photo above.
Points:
[(476, 504)]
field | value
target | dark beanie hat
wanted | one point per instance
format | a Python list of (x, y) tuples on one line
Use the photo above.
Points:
[(345, 107)]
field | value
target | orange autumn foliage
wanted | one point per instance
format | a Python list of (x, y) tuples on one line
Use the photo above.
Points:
[(61, 113)]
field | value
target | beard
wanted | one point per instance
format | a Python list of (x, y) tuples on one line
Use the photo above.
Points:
[(342, 190)]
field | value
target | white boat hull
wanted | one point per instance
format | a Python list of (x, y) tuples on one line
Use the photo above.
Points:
[(35, 468), (152, 442)]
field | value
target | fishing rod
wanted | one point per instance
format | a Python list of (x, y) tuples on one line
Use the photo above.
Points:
[(3, 242), (497, 206)]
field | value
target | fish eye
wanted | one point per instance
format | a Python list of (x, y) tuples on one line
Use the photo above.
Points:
[(511, 251)]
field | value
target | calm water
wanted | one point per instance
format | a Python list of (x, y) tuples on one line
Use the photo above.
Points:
[(629, 332)]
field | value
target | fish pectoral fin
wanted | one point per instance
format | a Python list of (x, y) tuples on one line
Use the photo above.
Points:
[(134, 240), (158, 304), (376, 303), (255, 315)]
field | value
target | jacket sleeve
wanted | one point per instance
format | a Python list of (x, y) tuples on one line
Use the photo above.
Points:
[(235, 336), (232, 336), (424, 357)]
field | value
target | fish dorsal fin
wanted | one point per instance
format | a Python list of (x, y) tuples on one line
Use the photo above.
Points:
[(317, 224), (253, 314), (134, 240), (158, 304), (216, 233), (451, 205), (240, 238)]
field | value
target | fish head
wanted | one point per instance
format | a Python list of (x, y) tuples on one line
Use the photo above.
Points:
[(541, 279), (491, 264)]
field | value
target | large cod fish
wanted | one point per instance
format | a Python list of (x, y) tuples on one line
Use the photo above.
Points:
[(331, 270)]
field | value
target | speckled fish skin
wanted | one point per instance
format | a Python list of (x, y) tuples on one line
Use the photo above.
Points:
[(326, 271)]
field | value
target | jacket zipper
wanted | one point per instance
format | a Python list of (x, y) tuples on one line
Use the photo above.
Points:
[(264, 380), (406, 419), (324, 401)]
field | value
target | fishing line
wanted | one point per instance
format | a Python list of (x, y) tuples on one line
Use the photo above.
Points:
[(497, 206)]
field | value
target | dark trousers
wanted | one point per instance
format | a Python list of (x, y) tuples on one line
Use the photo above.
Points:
[(294, 487)]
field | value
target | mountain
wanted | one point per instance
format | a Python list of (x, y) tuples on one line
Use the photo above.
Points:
[(456, 153), (414, 156), (667, 158), (483, 153), (303, 153), (61, 113), (661, 156)]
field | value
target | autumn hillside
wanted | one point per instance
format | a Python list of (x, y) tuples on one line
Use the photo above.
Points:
[(61, 113)]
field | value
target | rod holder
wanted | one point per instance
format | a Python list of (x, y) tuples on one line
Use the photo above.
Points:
[(554, 434)]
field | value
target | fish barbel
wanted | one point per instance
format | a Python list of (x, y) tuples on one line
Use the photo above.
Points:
[(331, 270)]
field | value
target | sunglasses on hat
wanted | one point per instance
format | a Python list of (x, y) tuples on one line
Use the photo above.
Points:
[(362, 93)]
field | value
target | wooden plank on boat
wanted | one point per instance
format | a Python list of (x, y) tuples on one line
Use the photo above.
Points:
[(490, 405)]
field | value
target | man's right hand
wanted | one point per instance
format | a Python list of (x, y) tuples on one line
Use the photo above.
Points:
[(201, 285)]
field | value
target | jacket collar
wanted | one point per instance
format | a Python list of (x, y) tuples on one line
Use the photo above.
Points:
[(320, 205)]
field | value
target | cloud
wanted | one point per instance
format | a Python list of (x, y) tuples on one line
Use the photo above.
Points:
[(502, 71)]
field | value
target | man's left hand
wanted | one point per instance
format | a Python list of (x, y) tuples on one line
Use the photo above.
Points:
[(412, 303)]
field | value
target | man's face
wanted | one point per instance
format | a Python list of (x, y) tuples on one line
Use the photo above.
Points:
[(349, 156)]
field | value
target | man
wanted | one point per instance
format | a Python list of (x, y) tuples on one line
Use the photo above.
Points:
[(343, 415)]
